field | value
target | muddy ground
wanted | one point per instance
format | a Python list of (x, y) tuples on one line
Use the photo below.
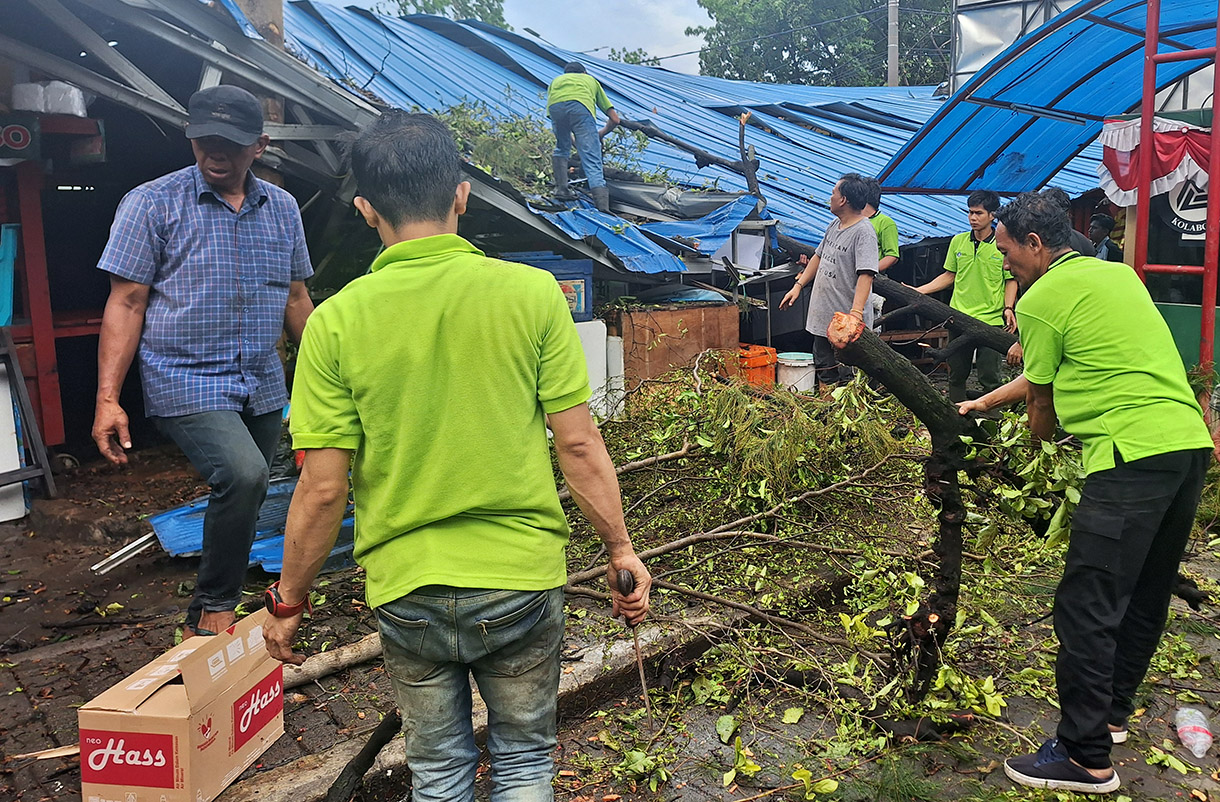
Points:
[(67, 634)]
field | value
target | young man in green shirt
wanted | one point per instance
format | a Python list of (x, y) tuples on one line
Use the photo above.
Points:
[(1100, 358), (887, 241), (571, 103), (982, 288), (435, 377)]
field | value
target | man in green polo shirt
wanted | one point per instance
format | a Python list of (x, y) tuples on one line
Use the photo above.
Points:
[(1099, 356), (434, 377), (982, 288), (887, 241), (571, 102)]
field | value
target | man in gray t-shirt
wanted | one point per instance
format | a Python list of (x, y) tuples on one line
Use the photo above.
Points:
[(841, 272)]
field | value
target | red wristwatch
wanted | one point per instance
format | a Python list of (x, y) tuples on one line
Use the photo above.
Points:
[(277, 606)]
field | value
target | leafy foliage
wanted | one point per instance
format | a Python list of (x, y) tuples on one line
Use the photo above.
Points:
[(517, 147), (637, 56), (829, 43), (489, 11)]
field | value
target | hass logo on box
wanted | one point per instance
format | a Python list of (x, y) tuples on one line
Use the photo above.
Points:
[(127, 758), (257, 707)]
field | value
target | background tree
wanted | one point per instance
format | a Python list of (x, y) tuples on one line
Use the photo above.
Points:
[(637, 56), (489, 11), (828, 43)]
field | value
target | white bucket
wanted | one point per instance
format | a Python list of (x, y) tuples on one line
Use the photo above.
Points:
[(796, 372)]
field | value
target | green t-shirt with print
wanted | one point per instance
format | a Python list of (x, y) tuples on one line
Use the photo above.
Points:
[(887, 234), (578, 86), (436, 369), (979, 276), (1089, 328)]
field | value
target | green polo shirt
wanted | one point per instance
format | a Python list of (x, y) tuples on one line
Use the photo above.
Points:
[(578, 86), (1089, 328), (887, 234), (978, 283), (436, 369)]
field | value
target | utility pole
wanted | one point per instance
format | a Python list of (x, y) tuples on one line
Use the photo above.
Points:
[(893, 47)]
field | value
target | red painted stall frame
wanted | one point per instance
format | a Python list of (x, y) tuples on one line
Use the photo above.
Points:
[(1211, 252), (36, 334)]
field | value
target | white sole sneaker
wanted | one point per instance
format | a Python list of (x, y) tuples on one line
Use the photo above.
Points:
[(1099, 787), (1118, 736)]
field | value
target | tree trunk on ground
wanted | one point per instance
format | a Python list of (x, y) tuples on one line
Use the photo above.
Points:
[(918, 638)]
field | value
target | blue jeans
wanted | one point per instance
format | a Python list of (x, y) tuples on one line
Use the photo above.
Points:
[(233, 452), (570, 118), (433, 639)]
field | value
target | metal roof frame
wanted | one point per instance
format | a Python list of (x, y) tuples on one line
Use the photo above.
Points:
[(924, 164)]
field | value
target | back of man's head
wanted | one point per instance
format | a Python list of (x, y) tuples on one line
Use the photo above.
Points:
[(1036, 213), (1059, 197), (407, 167), (573, 66), (983, 199), (854, 189), (874, 192)]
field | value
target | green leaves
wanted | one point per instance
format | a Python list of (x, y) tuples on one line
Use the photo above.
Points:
[(742, 763), (1165, 757), (725, 727), (814, 787), (793, 715)]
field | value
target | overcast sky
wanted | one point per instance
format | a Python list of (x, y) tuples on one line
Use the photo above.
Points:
[(655, 25)]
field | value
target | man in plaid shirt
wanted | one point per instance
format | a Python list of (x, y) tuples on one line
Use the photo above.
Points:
[(207, 266)]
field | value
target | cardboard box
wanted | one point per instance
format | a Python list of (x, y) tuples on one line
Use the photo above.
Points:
[(184, 726)]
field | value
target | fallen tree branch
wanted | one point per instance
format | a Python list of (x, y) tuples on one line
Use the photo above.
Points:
[(771, 619), (702, 157), (647, 462), (326, 663), (345, 785)]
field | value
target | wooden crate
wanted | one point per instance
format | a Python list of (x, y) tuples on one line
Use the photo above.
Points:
[(657, 339)]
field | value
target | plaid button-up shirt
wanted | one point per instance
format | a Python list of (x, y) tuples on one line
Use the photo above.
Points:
[(219, 282)]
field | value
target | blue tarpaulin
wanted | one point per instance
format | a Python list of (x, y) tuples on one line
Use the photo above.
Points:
[(180, 530), (710, 232)]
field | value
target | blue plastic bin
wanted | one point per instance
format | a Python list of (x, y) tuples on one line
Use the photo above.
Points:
[(575, 277), (8, 256)]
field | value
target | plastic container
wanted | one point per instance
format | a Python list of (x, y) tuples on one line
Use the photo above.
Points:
[(756, 364), (575, 277), (1193, 731), (796, 371)]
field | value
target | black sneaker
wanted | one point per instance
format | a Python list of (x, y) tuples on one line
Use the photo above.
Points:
[(1050, 767)]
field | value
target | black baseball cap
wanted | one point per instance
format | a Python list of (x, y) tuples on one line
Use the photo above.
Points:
[(225, 111)]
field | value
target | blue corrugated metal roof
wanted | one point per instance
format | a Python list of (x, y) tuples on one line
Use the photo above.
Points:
[(805, 136), (1021, 118)]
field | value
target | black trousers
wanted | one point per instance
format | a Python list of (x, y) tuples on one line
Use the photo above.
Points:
[(1128, 536), (826, 362)]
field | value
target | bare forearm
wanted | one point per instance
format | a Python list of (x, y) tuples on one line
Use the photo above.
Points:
[(1006, 395), (314, 518), (864, 286), (295, 314), (886, 263), (590, 477), (1010, 294), (117, 343), (941, 282), (1041, 416)]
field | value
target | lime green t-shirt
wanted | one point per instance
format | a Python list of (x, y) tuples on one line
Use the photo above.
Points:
[(978, 286), (436, 368), (887, 234), (1089, 328), (578, 86)]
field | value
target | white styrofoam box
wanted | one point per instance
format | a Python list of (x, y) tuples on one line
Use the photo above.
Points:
[(64, 98), (29, 97), (616, 391), (12, 497), (593, 341)]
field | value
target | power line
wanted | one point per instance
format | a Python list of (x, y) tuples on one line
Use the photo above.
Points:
[(773, 35)]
